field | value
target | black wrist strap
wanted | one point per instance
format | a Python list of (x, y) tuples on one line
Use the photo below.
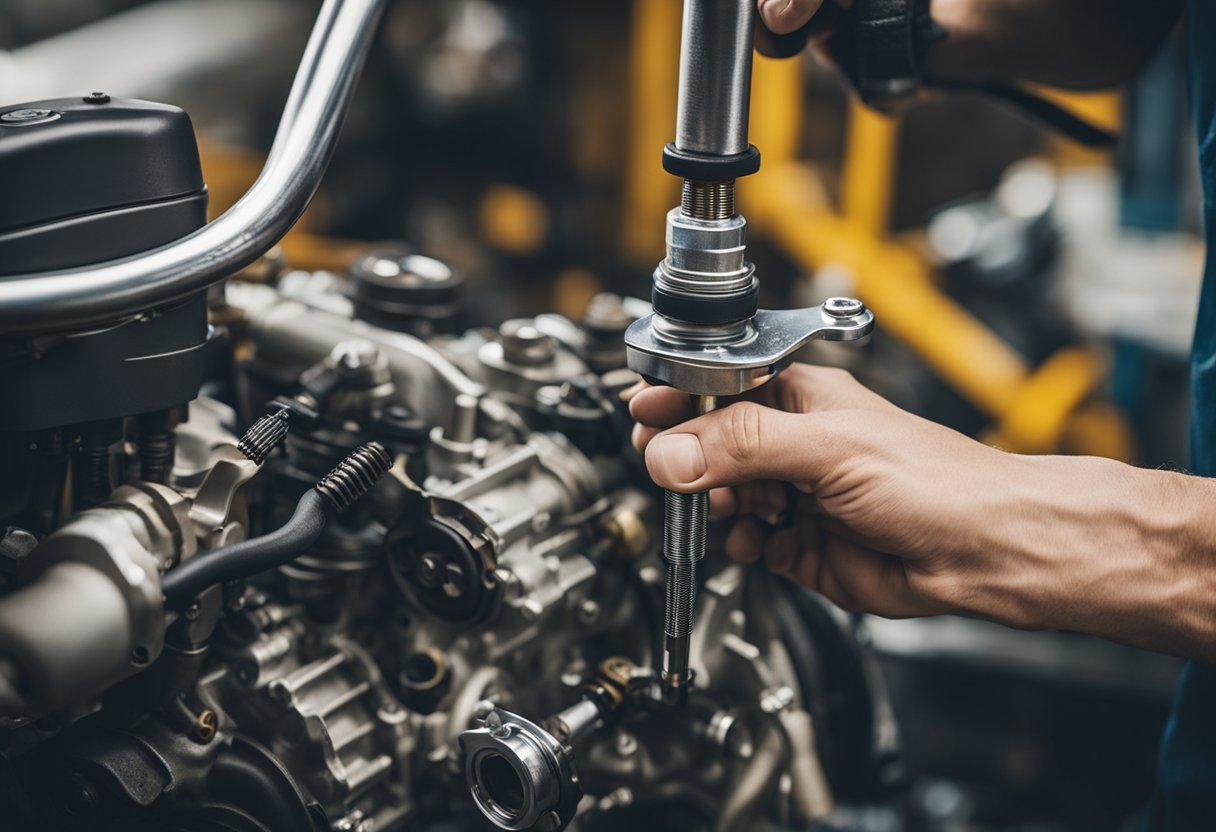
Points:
[(881, 46)]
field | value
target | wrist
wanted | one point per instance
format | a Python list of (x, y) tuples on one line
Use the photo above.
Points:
[(1105, 548)]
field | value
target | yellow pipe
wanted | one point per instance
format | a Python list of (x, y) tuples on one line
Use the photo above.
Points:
[(654, 65), (895, 282), (777, 109), (1036, 418), (1099, 428), (870, 168), (1032, 408)]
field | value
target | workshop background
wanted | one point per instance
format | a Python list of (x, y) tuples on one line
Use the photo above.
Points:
[(1030, 292)]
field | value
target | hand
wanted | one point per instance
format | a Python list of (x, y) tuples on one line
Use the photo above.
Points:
[(901, 517), (788, 25)]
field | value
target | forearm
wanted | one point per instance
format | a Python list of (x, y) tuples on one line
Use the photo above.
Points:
[(1120, 552), (1078, 44)]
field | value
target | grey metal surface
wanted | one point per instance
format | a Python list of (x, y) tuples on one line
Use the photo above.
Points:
[(741, 362), (309, 129), (715, 76), (705, 257), (510, 746)]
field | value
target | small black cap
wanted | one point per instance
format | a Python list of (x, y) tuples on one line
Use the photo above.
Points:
[(705, 168)]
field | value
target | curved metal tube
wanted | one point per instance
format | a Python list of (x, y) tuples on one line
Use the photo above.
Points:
[(308, 131)]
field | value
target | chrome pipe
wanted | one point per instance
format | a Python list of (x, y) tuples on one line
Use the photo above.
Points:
[(308, 132), (715, 76)]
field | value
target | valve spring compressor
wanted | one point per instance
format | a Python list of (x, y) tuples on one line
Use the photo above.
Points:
[(706, 335)]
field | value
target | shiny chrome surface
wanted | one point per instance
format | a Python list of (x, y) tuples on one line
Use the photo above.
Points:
[(728, 368), (715, 76), (308, 131)]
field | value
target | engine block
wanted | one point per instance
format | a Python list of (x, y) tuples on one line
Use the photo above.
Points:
[(473, 640)]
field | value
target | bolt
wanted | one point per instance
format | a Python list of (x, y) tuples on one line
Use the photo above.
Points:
[(96, 98), (606, 311), (192, 612), (524, 344), (531, 609), (626, 744), (588, 612), (430, 567), (683, 547), (455, 581), (355, 354), (843, 307)]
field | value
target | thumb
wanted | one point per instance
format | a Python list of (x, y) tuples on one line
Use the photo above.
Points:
[(738, 444)]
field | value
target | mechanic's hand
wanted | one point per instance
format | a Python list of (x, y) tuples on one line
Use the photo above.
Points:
[(899, 516), (786, 26)]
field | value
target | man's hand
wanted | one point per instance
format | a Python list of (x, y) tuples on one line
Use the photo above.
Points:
[(1084, 44), (786, 26), (897, 516)]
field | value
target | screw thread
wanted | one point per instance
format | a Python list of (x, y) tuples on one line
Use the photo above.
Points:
[(683, 546), (354, 476), (704, 200), (156, 452), (263, 436)]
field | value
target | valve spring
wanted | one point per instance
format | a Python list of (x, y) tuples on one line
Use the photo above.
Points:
[(354, 476), (263, 436), (93, 474), (156, 452), (708, 200), (683, 546)]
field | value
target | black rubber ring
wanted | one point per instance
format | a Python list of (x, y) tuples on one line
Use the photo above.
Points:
[(710, 168), (707, 310)]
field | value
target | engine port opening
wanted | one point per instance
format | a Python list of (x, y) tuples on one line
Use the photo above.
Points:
[(500, 784), (423, 670)]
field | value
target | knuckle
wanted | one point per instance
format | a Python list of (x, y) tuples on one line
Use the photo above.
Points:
[(742, 434)]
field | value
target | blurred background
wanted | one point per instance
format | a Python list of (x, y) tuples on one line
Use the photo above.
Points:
[(1029, 292)]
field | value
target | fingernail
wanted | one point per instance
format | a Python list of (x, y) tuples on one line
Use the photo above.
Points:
[(676, 459)]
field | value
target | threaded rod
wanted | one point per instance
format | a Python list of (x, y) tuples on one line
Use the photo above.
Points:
[(684, 526), (705, 200)]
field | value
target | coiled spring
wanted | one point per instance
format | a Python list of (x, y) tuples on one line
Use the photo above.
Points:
[(354, 476)]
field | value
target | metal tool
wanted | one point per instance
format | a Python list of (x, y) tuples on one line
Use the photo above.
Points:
[(706, 335)]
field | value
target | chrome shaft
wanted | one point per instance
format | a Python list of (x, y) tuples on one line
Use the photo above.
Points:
[(684, 523), (715, 76)]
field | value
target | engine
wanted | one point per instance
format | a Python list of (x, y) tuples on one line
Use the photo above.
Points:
[(475, 632)]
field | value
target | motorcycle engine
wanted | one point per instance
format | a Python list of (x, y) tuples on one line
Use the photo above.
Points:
[(459, 626)]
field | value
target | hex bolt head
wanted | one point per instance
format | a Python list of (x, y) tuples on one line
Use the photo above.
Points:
[(355, 354), (96, 98), (430, 569), (843, 307), (524, 344)]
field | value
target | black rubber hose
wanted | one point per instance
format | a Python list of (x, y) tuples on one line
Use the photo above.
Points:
[(240, 560), (336, 491)]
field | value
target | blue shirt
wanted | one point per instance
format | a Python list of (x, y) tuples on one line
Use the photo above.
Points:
[(1187, 770)]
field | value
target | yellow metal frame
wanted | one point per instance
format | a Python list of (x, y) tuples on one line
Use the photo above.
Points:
[(1034, 409)]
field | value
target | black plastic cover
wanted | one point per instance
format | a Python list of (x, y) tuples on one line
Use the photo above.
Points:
[(83, 158), (86, 180)]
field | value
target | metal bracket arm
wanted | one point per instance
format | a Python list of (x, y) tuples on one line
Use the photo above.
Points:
[(755, 355)]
